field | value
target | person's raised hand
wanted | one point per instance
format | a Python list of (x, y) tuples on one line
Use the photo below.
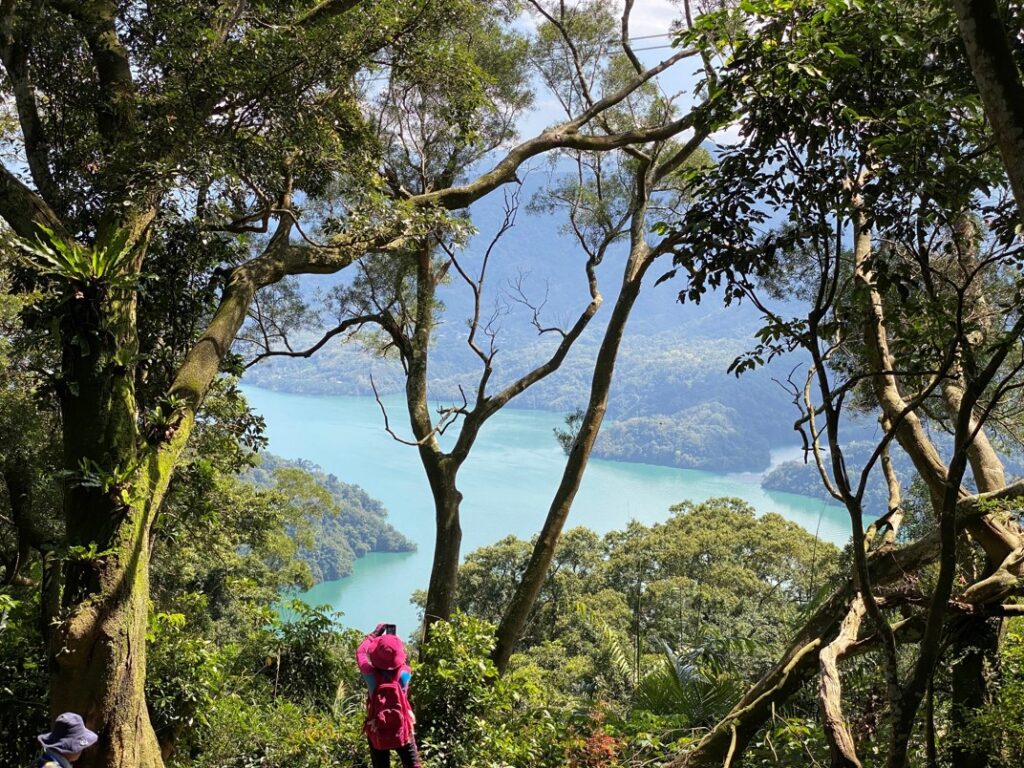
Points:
[(378, 630)]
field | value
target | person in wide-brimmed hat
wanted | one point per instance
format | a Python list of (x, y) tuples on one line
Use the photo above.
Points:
[(389, 717), (65, 742)]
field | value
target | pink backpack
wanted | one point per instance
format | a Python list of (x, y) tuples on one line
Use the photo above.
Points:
[(388, 714)]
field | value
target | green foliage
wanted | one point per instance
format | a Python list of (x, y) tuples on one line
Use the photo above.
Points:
[(108, 264), (712, 572), (789, 740), (470, 717), (1001, 724), (340, 521), (309, 656), (23, 679), (709, 436), (184, 679), (699, 684), (275, 734), (458, 693), (567, 437), (278, 693)]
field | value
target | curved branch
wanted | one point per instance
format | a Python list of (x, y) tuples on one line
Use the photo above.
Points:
[(568, 136), (342, 327), (25, 211)]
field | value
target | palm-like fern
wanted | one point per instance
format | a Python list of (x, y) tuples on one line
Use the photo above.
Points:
[(696, 683), (77, 263)]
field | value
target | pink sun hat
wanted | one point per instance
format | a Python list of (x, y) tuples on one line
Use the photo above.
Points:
[(387, 652)]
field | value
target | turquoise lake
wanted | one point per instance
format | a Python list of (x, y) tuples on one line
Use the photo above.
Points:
[(507, 485)]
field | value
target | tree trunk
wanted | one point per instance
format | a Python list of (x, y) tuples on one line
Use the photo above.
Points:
[(975, 642), (444, 571), (114, 489), (101, 654), (1002, 93), (440, 468), (513, 622), (17, 476), (830, 691)]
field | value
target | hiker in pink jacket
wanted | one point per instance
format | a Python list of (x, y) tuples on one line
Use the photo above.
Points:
[(389, 718)]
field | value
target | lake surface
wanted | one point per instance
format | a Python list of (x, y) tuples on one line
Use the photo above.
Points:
[(507, 484)]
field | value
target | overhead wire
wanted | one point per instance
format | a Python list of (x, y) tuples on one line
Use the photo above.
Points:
[(555, 61)]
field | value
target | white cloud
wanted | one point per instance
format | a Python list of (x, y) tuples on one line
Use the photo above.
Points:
[(653, 17), (649, 17)]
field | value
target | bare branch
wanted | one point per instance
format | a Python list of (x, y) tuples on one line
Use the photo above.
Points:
[(519, 296), (348, 324), (448, 416), (627, 49), (568, 136)]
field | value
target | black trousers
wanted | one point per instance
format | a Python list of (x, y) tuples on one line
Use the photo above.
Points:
[(381, 758)]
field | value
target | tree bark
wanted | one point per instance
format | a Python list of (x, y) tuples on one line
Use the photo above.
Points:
[(100, 653), (115, 487), (999, 83), (975, 643), (447, 545), (441, 470), (830, 690), (17, 477)]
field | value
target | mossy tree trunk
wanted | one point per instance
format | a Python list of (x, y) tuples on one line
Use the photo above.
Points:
[(114, 483)]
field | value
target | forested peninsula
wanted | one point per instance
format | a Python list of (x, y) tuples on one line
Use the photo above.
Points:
[(343, 522)]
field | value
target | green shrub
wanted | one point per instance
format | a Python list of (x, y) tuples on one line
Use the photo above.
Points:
[(183, 679), (23, 680), (309, 655), (276, 734), (471, 718)]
